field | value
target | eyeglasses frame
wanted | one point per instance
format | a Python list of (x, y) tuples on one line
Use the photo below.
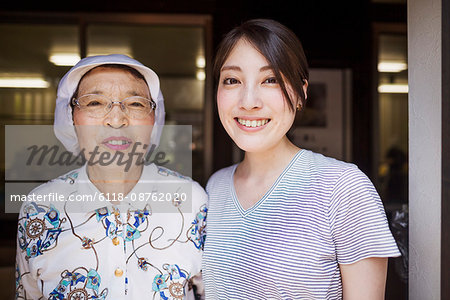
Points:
[(75, 102)]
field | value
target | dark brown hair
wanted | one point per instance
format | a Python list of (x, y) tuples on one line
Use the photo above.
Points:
[(279, 45)]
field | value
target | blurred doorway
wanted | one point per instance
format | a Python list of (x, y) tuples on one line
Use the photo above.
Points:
[(390, 140)]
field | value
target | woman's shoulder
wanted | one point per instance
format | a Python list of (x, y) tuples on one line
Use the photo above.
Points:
[(341, 178), (60, 183), (222, 173), (325, 173), (51, 194), (164, 174), (221, 176), (325, 165)]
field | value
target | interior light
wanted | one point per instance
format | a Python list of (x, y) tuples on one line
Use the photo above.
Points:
[(393, 88), (201, 75), (23, 82), (200, 62), (64, 59), (392, 67)]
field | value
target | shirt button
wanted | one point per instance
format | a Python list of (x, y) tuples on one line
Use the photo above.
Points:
[(116, 241), (118, 272)]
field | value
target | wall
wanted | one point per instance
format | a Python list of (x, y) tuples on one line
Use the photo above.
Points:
[(424, 52)]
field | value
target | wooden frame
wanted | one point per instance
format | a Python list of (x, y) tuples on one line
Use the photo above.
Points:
[(445, 209), (324, 125)]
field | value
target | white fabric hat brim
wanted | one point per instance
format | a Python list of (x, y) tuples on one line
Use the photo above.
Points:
[(63, 125)]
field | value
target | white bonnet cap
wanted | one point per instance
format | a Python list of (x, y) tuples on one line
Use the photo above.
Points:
[(63, 125)]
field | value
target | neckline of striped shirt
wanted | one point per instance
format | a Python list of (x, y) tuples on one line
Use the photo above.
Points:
[(246, 212)]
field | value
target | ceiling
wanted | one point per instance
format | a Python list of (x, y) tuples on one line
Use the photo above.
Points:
[(169, 50)]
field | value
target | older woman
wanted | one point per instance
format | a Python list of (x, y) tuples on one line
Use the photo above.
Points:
[(120, 244)]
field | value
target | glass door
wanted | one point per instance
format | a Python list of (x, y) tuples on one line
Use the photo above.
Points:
[(390, 140)]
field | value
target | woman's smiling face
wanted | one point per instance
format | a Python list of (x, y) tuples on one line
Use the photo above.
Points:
[(250, 101), (115, 131)]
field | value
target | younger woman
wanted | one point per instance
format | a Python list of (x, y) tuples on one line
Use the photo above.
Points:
[(285, 223)]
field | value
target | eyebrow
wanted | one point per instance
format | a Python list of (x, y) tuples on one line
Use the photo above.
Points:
[(134, 93), (236, 68), (131, 93), (265, 68), (97, 92)]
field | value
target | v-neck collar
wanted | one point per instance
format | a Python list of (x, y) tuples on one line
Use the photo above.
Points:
[(246, 212)]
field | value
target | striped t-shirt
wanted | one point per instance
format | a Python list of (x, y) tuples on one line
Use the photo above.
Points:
[(319, 213)]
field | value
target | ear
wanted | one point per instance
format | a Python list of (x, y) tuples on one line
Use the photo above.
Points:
[(305, 88)]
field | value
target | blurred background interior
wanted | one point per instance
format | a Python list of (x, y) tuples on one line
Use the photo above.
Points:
[(357, 51)]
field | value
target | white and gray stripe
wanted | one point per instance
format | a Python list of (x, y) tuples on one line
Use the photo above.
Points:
[(320, 213)]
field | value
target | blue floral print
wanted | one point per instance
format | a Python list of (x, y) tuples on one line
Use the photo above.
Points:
[(39, 234), (197, 233), (74, 285), (171, 284)]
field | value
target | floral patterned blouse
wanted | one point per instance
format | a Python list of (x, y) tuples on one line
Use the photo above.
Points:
[(146, 247)]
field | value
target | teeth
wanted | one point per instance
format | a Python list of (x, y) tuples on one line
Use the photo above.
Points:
[(118, 142), (253, 123)]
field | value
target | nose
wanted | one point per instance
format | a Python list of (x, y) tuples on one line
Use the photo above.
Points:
[(250, 98), (116, 118)]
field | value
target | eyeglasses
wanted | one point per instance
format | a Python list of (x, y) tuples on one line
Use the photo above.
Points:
[(98, 106)]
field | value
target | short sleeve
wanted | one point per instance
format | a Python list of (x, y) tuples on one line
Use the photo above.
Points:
[(358, 222)]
